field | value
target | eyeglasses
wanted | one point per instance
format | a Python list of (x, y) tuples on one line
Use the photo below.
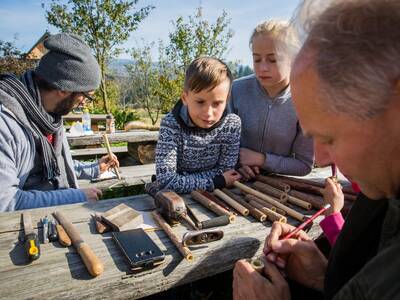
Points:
[(88, 97)]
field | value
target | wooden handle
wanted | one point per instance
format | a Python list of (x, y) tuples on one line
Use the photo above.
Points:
[(240, 208), (77, 242), (63, 237), (107, 143), (254, 212), (187, 254), (289, 211), (92, 262), (270, 190), (211, 205)]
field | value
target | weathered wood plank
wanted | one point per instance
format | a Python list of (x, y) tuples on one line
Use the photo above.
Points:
[(133, 175), (97, 151), (119, 136)]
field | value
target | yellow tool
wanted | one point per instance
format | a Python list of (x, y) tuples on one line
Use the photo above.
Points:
[(32, 245)]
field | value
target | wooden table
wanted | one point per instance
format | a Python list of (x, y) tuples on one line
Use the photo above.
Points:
[(132, 175), (60, 273), (95, 119), (133, 136)]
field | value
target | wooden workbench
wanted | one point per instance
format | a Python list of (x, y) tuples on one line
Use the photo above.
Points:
[(60, 273)]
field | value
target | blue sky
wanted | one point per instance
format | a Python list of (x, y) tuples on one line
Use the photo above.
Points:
[(26, 19)]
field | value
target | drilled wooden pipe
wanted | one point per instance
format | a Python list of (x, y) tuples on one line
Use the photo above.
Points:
[(254, 212), (250, 197), (289, 211), (211, 205), (315, 201), (240, 208), (274, 182), (270, 190), (187, 254), (271, 215)]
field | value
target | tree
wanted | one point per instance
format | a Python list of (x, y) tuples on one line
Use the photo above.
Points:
[(103, 24), (144, 76), (198, 37), (12, 60)]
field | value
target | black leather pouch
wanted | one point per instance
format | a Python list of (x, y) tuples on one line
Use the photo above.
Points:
[(139, 249)]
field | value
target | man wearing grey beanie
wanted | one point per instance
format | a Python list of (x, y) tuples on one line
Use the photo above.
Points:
[(36, 166)]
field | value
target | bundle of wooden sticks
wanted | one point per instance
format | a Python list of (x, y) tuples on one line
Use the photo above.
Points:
[(270, 198)]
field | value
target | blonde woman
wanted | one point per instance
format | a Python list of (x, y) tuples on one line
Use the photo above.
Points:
[(271, 139)]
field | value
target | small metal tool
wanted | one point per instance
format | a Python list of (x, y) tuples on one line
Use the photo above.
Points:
[(199, 237)]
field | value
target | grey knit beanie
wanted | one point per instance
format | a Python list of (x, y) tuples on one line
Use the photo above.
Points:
[(69, 65)]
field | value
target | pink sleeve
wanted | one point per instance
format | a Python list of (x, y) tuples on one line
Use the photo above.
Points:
[(332, 225)]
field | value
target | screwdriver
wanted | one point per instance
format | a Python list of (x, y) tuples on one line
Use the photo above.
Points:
[(32, 245)]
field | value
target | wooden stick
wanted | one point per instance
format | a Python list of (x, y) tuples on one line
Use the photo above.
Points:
[(299, 202), (289, 211), (250, 197), (212, 198), (271, 215), (270, 190), (254, 212), (315, 201), (274, 182), (240, 208), (107, 143), (211, 205), (187, 254), (346, 189), (92, 262)]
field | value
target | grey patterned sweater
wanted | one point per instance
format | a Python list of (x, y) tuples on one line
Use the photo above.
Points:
[(189, 157)]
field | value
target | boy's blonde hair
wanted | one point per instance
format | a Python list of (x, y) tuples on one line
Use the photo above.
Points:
[(206, 73), (282, 32)]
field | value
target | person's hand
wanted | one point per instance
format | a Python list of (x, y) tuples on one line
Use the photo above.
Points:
[(248, 172), (231, 176), (92, 194), (249, 284), (298, 256), (333, 195), (105, 163), (249, 157)]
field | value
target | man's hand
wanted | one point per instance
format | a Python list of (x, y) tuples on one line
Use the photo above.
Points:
[(248, 172), (105, 163), (299, 256), (249, 284), (231, 176), (249, 157), (92, 194), (333, 195)]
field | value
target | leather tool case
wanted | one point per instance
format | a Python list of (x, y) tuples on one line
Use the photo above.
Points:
[(138, 248)]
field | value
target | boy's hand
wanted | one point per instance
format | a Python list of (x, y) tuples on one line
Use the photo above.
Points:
[(105, 163), (231, 176), (92, 194), (333, 195)]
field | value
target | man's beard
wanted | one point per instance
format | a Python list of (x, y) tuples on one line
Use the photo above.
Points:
[(66, 106)]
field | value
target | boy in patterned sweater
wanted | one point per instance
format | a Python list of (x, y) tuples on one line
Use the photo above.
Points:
[(198, 144)]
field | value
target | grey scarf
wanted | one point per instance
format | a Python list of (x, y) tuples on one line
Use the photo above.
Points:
[(41, 123)]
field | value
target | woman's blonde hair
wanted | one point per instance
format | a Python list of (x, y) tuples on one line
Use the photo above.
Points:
[(281, 31)]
